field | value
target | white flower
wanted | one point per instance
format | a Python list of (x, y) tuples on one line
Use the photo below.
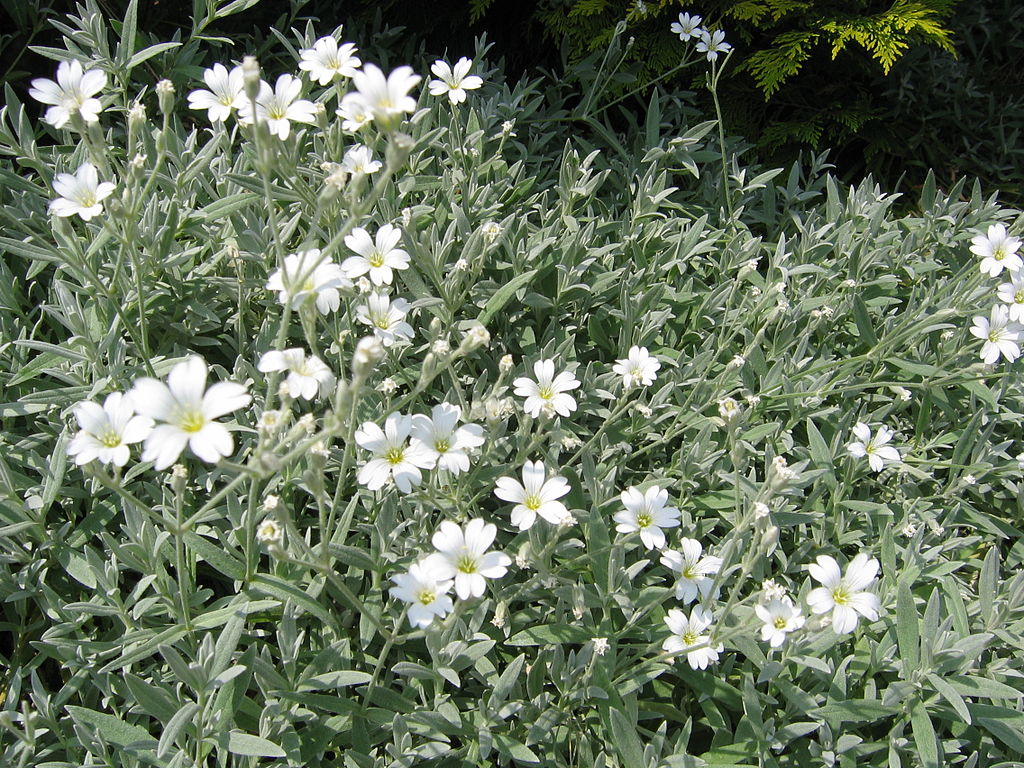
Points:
[(998, 251), (108, 430), (270, 533), (761, 510), (359, 160), (387, 318), (534, 496), (547, 393), (278, 106), (1012, 294), (306, 375), (378, 258), (770, 590), (453, 81), (186, 410), (688, 26), (693, 570), (491, 231), (386, 99), (845, 595), (82, 193), (425, 590), (1000, 335), (728, 408), (72, 93), (393, 456), (305, 275), (463, 556), (354, 114), (638, 367), (646, 512), (443, 440), (688, 634), (874, 448), (600, 645), (227, 92), (780, 617), (326, 60), (712, 43)]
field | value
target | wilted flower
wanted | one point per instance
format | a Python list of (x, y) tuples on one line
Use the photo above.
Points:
[(440, 437), (386, 317), (322, 281), (278, 106), (780, 617), (270, 533), (728, 408), (306, 375), (82, 193), (999, 334), (326, 60), (426, 591), (463, 556), (227, 92), (547, 393), (534, 496), (186, 410), (689, 636), (687, 27), (646, 512), (874, 448), (72, 93), (393, 456), (108, 430), (638, 367), (376, 257), (693, 569), (998, 251), (453, 81), (845, 595)]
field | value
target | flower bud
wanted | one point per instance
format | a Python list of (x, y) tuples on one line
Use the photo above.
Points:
[(165, 96), (369, 351), (251, 77)]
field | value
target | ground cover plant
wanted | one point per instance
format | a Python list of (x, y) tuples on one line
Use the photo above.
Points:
[(364, 415)]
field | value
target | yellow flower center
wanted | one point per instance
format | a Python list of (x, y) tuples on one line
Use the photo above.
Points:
[(383, 322), (532, 502), (466, 564), (394, 456), (780, 622), (545, 393), (999, 253), (690, 572), (191, 421), (643, 520), (109, 439), (690, 637), (426, 596), (841, 595), (1018, 297), (277, 112), (993, 336), (376, 259), (442, 446)]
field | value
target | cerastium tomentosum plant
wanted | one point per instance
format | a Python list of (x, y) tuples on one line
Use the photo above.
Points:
[(359, 417)]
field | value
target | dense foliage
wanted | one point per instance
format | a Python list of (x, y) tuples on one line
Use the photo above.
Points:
[(823, 392)]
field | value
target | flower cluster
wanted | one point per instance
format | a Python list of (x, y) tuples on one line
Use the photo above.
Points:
[(710, 43), (1003, 329)]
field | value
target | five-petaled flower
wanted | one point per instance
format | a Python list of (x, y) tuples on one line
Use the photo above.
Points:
[(638, 367), (534, 496), (875, 448), (327, 61), (998, 251), (82, 193), (693, 569), (378, 256), (999, 334), (689, 636), (186, 411), (108, 430), (227, 93), (425, 590), (780, 617), (646, 512), (386, 317), (278, 106), (393, 455), (72, 93), (307, 275), (688, 26), (712, 43), (441, 437), (307, 376), (845, 596), (358, 161), (547, 393), (453, 81), (463, 556), (385, 98)]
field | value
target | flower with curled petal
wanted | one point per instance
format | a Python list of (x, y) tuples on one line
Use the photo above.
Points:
[(638, 367), (72, 93), (547, 393), (386, 317), (845, 596), (534, 496), (185, 412), (463, 556), (779, 617), (693, 569)]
